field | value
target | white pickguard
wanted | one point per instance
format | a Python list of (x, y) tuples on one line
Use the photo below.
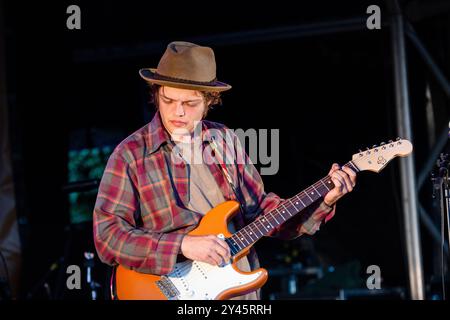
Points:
[(196, 280)]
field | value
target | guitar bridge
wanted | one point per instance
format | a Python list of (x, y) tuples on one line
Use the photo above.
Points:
[(167, 288)]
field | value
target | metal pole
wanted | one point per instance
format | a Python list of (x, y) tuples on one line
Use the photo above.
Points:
[(422, 177), (408, 181), (426, 56)]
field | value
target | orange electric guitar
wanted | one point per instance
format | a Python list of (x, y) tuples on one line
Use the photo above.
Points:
[(194, 280)]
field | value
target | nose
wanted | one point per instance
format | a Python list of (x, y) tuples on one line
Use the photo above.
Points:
[(179, 109)]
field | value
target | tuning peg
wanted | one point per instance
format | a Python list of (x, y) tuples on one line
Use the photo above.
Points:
[(390, 141), (374, 146), (398, 138), (382, 143)]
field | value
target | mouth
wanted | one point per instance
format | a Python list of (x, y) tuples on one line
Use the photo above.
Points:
[(177, 123)]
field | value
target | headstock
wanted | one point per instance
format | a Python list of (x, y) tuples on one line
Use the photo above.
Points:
[(376, 158)]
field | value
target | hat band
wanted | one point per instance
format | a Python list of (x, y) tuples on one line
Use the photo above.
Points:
[(158, 76)]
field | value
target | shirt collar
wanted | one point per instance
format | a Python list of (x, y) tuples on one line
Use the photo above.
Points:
[(159, 136)]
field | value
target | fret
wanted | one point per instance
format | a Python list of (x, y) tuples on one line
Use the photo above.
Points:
[(352, 165), (304, 205), (239, 239), (251, 239), (237, 246), (250, 235), (281, 213), (278, 212), (295, 206), (309, 197), (330, 183), (242, 245), (323, 188), (268, 222), (325, 185), (269, 215), (258, 228), (316, 193), (286, 209), (297, 202), (276, 218), (231, 246), (242, 237), (263, 225), (235, 243), (316, 190)]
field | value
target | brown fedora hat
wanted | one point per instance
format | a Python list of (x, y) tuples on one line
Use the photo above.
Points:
[(188, 66)]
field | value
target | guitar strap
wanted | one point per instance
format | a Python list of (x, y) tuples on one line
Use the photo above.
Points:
[(233, 187), (224, 170)]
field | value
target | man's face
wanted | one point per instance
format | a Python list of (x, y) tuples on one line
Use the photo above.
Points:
[(180, 108)]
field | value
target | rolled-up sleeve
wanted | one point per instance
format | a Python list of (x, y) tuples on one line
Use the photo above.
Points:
[(117, 238), (308, 221)]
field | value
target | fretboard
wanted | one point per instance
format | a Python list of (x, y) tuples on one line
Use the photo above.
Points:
[(264, 224)]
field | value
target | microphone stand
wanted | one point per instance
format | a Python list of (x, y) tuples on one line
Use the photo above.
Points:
[(441, 186)]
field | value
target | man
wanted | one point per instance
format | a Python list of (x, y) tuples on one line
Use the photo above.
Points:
[(152, 194)]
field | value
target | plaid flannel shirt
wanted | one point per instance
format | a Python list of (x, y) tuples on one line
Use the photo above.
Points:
[(140, 217)]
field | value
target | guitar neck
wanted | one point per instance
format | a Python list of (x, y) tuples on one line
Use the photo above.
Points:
[(267, 222)]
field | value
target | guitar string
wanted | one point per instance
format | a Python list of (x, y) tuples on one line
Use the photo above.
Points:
[(318, 184), (287, 203)]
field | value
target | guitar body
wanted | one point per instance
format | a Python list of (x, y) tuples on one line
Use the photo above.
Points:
[(194, 280)]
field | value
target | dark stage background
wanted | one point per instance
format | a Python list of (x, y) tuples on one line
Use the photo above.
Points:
[(329, 94)]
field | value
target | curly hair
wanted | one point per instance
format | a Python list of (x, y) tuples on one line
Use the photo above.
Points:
[(211, 98)]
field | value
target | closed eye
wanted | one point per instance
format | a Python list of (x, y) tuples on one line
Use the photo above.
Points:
[(167, 100), (192, 103)]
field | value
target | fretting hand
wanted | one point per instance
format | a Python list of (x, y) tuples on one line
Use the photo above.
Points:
[(344, 180)]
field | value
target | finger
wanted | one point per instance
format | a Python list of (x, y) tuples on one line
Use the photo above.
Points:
[(222, 252), (212, 261), (334, 167), (352, 175), (346, 178), (215, 258), (342, 187), (337, 182), (348, 181), (224, 246), (337, 176)]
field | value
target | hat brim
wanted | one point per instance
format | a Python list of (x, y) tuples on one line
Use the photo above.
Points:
[(148, 74)]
